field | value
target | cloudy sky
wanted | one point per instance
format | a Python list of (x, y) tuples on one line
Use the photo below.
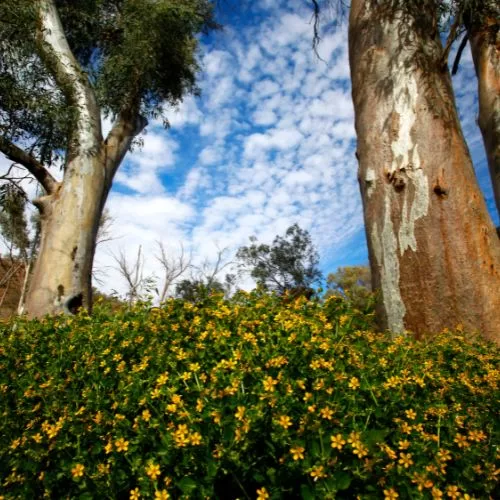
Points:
[(270, 142)]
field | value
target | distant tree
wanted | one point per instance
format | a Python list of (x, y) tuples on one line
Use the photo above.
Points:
[(13, 221), (206, 279), (353, 283), (291, 262), (195, 290)]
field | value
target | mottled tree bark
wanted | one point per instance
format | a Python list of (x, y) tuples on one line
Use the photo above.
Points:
[(484, 37), (434, 253)]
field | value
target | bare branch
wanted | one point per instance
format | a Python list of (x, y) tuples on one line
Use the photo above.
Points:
[(118, 142), (104, 231), (452, 36), (57, 56), (210, 270), (172, 268), (132, 273), (461, 48), (17, 155)]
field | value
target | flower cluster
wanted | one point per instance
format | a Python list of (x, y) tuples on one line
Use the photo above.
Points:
[(253, 397)]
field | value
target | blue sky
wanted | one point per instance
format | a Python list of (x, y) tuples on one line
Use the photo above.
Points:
[(269, 143)]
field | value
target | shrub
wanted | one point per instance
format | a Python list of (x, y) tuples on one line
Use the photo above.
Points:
[(243, 398)]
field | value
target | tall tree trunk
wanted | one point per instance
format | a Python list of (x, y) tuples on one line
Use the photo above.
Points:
[(434, 253), (71, 210), (61, 279), (484, 37)]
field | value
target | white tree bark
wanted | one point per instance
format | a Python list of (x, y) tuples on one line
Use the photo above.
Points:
[(71, 211)]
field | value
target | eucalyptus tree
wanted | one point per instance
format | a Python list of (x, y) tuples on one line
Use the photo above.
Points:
[(482, 21), (64, 65), (479, 23), (434, 252)]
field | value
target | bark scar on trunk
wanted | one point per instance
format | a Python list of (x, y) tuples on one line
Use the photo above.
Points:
[(441, 192), (73, 304), (73, 252)]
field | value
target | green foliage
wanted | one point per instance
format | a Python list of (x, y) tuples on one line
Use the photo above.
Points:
[(137, 54), (353, 283), (196, 290), (13, 223), (251, 397), (291, 262)]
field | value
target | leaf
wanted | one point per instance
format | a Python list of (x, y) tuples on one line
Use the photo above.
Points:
[(86, 496), (306, 492), (187, 485), (375, 436), (342, 480)]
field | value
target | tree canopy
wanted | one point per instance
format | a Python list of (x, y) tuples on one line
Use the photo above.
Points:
[(290, 262), (137, 54)]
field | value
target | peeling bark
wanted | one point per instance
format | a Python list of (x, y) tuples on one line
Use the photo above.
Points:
[(434, 253), (485, 46)]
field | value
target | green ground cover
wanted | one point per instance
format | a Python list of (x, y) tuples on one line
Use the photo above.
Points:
[(248, 398)]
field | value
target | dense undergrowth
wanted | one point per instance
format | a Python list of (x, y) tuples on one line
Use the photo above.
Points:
[(248, 398)]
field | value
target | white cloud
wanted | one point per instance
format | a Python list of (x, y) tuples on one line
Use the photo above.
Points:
[(270, 142)]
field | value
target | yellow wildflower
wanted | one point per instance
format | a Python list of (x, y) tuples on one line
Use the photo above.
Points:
[(337, 441), (103, 468), (195, 438), (240, 412), (285, 421), (162, 495), (404, 445), (77, 470), (135, 494), (37, 437), (359, 450), (411, 414), (326, 413), (297, 452), (390, 494), (453, 491), (153, 471), (200, 405), (262, 494), (354, 383), (436, 493), (461, 440), (317, 472), (269, 384), (146, 415), (405, 460), (121, 444)]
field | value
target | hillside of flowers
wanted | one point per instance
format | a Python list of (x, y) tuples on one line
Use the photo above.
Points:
[(254, 398)]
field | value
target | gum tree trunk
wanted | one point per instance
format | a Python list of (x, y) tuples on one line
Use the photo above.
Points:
[(434, 253), (71, 209), (485, 46)]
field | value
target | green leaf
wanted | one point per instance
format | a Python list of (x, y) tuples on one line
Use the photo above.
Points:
[(306, 492), (342, 480), (375, 436), (187, 485)]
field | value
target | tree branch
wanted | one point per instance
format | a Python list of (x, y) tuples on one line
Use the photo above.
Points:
[(57, 56), (127, 126), (17, 155), (459, 55), (452, 36)]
